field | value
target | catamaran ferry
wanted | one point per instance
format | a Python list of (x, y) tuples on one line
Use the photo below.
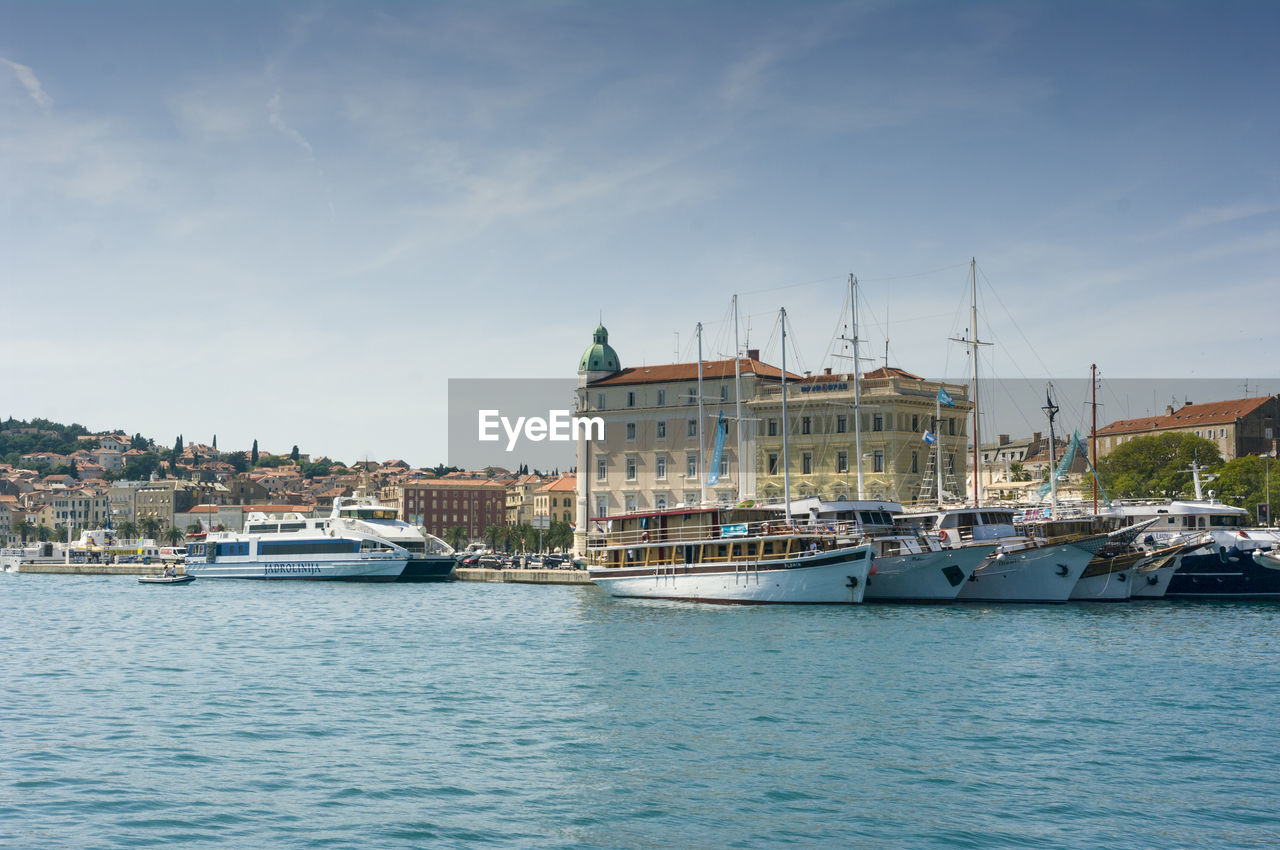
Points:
[(430, 558), (295, 547)]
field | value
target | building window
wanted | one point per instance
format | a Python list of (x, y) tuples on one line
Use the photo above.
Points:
[(693, 395), (660, 466), (661, 430), (691, 466), (631, 431), (951, 464), (602, 505), (915, 422), (773, 427), (915, 461), (877, 461), (951, 425), (773, 464), (631, 399), (842, 424), (660, 501), (805, 425), (877, 422), (842, 461), (693, 428), (691, 497), (630, 504), (724, 465), (806, 463), (662, 397), (602, 471), (724, 392), (631, 467), (600, 401), (1222, 432)]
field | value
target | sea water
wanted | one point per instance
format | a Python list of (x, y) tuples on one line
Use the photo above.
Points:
[(297, 714)]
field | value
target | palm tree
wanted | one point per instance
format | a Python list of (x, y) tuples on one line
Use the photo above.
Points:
[(127, 530), (175, 536), (457, 537), (43, 532), (559, 536), (150, 527), (496, 536), (24, 530)]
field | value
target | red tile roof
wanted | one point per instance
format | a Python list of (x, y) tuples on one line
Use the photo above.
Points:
[(711, 370), (1191, 415)]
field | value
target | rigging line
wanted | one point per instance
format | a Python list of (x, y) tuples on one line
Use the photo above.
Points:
[(917, 274), (992, 290), (789, 286)]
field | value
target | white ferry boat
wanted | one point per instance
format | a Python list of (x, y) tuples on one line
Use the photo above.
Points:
[(430, 558), (725, 555), (295, 547)]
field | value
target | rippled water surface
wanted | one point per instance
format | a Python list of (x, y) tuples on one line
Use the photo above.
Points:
[(241, 714)]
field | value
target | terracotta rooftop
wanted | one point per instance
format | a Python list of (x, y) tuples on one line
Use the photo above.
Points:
[(567, 482), (711, 370), (1191, 415)]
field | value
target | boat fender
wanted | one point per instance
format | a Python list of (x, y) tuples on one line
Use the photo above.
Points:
[(1063, 569)]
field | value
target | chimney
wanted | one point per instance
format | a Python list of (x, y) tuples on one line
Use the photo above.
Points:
[(1002, 439), (1168, 410), (808, 374), (826, 371), (753, 354), (1035, 438)]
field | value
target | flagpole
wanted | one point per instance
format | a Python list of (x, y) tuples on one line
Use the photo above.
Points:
[(937, 440)]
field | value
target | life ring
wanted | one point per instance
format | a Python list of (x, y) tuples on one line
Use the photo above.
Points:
[(942, 535), (764, 528)]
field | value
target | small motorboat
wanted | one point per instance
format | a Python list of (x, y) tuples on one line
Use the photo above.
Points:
[(184, 579)]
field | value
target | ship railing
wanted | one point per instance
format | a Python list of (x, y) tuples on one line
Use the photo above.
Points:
[(724, 533)]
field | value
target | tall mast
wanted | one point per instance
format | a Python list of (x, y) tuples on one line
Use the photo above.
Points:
[(1093, 434), (1052, 409), (737, 393), (937, 440), (977, 435), (702, 472), (857, 389), (786, 466)]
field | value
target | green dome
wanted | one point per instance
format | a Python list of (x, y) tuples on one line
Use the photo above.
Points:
[(599, 356)]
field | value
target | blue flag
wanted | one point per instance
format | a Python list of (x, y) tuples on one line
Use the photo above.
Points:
[(944, 398), (929, 438), (713, 474)]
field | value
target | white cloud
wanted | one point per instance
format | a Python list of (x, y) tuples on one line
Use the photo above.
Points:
[(277, 121), (31, 83)]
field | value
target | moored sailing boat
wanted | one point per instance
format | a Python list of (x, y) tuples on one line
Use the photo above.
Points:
[(721, 554)]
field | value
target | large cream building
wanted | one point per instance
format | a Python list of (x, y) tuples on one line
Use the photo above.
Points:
[(897, 409), (649, 457)]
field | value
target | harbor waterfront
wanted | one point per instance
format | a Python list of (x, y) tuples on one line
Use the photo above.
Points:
[(304, 714)]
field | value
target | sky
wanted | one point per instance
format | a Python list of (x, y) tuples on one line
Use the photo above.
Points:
[(295, 222)]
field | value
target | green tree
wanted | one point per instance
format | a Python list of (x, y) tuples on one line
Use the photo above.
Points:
[(523, 538), (140, 468), (1018, 472), (174, 536), (1157, 466), (24, 530), (127, 530), (496, 536), (253, 454), (177, 447), (293, 455), (1247, 482), (44, 532), (239, 461), (457, 537), (559, 536), (150, 527)]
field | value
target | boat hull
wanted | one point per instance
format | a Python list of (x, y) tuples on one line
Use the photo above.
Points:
[(1041, 574), (183, 579), (831, 578), (381, 569), (429, 569), (925, 576), (1114, 586), (1209, 573), (1153, 583)]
